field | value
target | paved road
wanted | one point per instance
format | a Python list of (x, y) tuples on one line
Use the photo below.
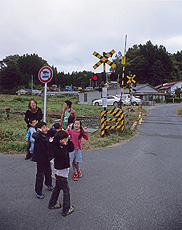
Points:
[(136, 185)]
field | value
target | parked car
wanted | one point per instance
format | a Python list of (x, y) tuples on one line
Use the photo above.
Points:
[(27, 92), (126, 100), (111, 100), (24, 92)]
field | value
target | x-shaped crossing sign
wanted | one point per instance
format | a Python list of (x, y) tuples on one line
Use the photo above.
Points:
[(131, 79), (104, 59)]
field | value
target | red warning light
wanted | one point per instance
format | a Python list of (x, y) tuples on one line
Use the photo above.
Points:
[(94, 77)]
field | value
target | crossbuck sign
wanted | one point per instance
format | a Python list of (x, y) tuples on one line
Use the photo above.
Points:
[(104, 59)]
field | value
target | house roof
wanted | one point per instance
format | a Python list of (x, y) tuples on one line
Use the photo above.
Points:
[(167, 85), (138, 87)]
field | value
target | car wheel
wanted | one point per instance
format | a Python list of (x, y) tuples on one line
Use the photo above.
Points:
[(115, 103), (134, 103), (96, 104)]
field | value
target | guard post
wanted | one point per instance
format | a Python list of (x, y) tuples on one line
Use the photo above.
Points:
[(118, 118)]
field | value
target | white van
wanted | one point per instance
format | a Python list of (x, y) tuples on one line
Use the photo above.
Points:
[(126, 99)]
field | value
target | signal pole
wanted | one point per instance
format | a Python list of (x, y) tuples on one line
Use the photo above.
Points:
[(123, 61)]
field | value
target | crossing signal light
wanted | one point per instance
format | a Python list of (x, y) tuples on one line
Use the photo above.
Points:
[(94, 78), (113, 77)]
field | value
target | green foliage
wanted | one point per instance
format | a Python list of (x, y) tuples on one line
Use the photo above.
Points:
[(12, 134), (13, 128), (151, 64), (176, 100), (179, 111), (22, 99), (12, 146)]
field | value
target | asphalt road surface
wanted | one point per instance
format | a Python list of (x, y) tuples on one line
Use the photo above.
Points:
[(136, 185)]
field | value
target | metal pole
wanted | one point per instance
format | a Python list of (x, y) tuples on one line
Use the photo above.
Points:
[(123, 62), (45, 99), (32, 84)]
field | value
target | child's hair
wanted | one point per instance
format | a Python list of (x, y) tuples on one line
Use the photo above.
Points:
[(71, 119), (69, 103), (57, 126), (81, 129), (40, 124), (32, 119), (59, 136)]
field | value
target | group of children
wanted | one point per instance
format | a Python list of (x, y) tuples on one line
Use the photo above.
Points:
[(62, 148)]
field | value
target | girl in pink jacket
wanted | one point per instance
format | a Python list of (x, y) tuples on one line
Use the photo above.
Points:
[(76, 134)]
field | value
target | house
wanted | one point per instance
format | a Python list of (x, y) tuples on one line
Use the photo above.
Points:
[(169, 87), (148, 93)]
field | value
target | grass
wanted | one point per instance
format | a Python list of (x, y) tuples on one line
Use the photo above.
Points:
[(179, 111), (13, 128)]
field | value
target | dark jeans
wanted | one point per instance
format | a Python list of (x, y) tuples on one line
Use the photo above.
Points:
[(43, 169), (29, 155), (61, 184)]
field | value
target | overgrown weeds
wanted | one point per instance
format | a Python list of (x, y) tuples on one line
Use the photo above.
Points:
[(13, 128), (179, 111)]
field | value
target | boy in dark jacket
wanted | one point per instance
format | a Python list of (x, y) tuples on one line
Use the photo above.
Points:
[(41, 155), (61, 148)]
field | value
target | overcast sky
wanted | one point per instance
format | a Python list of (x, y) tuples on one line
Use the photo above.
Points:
[(67, 32)]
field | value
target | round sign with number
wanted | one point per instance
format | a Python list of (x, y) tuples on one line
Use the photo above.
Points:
[(45, 74)]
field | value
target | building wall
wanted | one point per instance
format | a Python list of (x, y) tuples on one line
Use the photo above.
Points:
[(87, 97), (174, 87)]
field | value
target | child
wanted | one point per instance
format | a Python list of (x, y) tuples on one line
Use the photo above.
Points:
[(61, 148), (71, 120), (76, 134), (56, 128), (29, 137), (41, 156), (65, 113)]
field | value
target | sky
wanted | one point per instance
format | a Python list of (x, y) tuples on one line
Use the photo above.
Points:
[(65, 33)]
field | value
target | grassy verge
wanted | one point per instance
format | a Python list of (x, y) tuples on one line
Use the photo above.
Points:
[(179, 111), (13, 128)]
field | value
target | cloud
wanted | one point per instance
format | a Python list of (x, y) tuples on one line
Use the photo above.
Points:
[(67, 32)]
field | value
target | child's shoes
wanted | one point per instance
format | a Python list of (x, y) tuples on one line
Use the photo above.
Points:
[(40, 196), (69, 211), (57, 205), (79, 173), (75, 177), (50, 187)]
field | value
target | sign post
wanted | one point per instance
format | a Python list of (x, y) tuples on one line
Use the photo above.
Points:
[(130, 87), (45, 75), (104, 60)]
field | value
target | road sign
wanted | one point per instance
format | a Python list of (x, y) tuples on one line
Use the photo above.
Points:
[(45, 74), (131, 79), (104, 59)]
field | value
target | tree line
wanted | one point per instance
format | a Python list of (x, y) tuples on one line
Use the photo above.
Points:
[(151, 64)]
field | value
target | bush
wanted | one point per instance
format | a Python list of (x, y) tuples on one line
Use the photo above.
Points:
[(176, 100)]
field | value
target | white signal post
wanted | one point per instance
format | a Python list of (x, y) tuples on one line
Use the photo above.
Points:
[(45, 75)]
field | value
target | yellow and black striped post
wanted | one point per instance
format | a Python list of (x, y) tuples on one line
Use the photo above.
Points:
[(119, 119), (123, 61), (103, 122)]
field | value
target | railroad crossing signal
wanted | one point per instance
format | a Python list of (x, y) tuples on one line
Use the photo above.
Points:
[(131, 79), (104, 59)]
